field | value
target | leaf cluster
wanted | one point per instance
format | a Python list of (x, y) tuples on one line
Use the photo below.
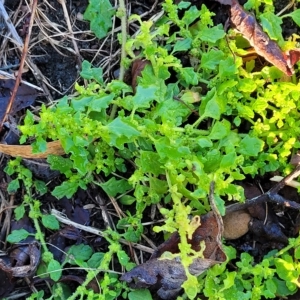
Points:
[(275, 276)]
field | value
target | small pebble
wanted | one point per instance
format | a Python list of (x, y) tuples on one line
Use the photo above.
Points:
[(236, 224)]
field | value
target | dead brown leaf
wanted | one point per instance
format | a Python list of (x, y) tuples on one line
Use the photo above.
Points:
[(136, 70), (167, 275), (247, 25), (25, 97), (22, 260)]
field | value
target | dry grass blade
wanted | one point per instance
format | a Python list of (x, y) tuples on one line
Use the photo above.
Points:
[(5, 75), (63, 219), (15, 38), (67, 18)]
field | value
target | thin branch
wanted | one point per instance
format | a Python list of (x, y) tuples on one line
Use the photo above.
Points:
[(22, 62), (271, 195), (122, 12)]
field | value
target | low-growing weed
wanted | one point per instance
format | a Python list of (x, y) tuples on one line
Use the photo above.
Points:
[(198, 114)]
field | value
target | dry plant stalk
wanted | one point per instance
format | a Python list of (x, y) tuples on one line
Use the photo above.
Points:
[(25, 151)]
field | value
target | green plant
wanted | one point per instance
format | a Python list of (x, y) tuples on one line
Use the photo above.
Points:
[(24, 176), (245, 122), (275, 276)]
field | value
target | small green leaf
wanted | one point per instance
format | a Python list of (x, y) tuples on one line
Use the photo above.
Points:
[(229, 281), (92, 73), (17, 235), (149, 161), (67, 189), (281, 288), (127, 200), (95, 260), (132, 235), (245, 111), (142, 294), (250, 146), (297, 253), (19, 212), (213, 34), (214, 107), (204, 142), (113, 186), (191, 15), (228, 160), (54, 269), (183, 4), (118, 86), (260, 105), (247, 85), (191, 286), (220, 203), (171, 150), (13, 186), (121, 131), (271, 24), (40, 186), (144, 96), (227, 68), (40, 145), (182, 45), (99, 13), (50, 222), (295, 15), (220, 130), (189, 75), (59, 163), (123, 257), (80, 252), (211, 59), (100, 103)]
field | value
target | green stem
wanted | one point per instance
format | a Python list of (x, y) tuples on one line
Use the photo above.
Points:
[(104, 265), (122, 11), (196, 124), (294, 245), (39, 235)]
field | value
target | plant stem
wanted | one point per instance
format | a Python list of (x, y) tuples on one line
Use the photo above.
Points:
[(104, 265), (122, 12), (39, 234)]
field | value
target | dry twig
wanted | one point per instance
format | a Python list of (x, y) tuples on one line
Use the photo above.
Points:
[(271, 195), (22, 62)]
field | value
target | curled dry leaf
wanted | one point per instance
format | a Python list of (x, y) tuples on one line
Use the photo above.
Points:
[(247, 25), (167, 275), (22, 260)]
